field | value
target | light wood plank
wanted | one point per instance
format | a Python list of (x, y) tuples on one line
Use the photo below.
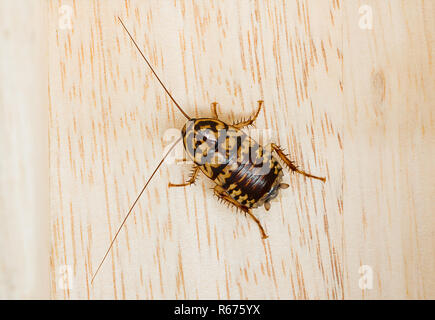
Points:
[(24, 202), (336, 97)]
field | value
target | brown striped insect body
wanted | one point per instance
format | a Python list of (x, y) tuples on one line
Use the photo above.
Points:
[(246, 174)]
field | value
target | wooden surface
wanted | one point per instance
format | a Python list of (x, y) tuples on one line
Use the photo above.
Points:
[(24, 202), (352, 104)]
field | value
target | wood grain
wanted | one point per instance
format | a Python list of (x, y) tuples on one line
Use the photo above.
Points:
[(351, 104)]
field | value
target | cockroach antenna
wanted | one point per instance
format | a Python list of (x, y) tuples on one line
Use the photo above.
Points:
[(149, 65), (161, 162), (131, 209)]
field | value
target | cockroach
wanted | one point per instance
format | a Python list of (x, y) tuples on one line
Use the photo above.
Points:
[(246, 174)]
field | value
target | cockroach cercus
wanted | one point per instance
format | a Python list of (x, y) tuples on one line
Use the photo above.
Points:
[(246, 174)]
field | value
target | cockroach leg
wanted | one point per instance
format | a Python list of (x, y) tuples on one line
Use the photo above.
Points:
[(252, 119), (263, 233), (222, 194), (213, 107), (181, 160), (189, 182), (291, 165)]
